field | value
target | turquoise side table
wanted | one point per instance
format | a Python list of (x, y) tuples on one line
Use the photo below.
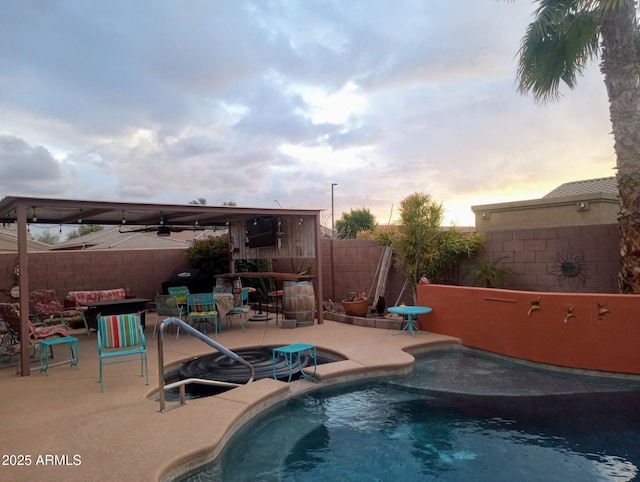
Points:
[(45, 349), (288, 353), (410, 311)]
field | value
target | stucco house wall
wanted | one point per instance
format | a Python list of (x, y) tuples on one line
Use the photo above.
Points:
[(578, 210)]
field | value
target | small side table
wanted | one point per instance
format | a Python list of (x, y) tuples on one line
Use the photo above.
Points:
[(410, 311), (288, 352), (46, 347)]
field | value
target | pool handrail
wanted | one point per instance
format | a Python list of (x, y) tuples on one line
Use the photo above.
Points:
[(181, 383)]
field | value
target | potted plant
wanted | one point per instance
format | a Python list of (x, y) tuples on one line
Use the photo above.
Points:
[(356, 304)]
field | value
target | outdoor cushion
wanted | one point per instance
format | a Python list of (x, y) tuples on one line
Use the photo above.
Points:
[(50, 310), (112, 295), (46, 332), (79, 299)]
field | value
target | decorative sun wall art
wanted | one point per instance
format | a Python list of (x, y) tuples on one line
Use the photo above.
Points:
[(571, 268)]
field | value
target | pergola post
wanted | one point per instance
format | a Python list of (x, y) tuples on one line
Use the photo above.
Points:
[(23, 283), (318, 271)]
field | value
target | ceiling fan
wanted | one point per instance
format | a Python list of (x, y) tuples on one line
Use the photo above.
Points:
[(163, 229)]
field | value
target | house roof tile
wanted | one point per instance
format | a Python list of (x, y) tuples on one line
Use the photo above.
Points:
[(589, 186)]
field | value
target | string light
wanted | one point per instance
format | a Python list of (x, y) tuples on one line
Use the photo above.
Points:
[(124, 221), (35, 217)]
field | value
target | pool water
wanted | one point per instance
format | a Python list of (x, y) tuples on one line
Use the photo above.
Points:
[(458, 416)]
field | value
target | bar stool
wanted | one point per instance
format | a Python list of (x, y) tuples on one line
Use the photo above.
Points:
[(277, 296)]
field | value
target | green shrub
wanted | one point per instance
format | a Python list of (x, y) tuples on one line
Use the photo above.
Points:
[(210, 254)]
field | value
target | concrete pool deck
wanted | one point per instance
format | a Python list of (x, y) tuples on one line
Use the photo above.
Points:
[(71, 431)]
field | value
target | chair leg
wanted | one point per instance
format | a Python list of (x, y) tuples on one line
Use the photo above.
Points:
[(213, 322), (143, 367), (86, 325), (155, 326), (100, 381)]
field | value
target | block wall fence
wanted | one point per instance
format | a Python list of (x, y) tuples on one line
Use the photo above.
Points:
[(534, 255), (350, 265), (140, 271)]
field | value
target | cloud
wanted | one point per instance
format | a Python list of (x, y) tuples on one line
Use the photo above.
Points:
[(24, 166), (251, 101)]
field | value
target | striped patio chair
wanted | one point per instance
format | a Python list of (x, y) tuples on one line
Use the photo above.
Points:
[(121, 336)]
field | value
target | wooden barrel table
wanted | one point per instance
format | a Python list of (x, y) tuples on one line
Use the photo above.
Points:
[(298, 302)]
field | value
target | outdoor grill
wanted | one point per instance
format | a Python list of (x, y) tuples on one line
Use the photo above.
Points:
[(197, 280)]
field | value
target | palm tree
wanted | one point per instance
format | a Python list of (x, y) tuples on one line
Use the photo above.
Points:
[(352, 222), (563, 37)]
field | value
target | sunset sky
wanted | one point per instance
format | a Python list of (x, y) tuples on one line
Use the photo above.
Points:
[(266, 103)]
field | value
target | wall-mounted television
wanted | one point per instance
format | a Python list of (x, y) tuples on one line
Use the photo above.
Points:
[(261, 232)]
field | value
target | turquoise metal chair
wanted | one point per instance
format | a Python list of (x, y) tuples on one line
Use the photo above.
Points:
[(242, 308), (121, 336), (180, 293), (201, 310), (167, 305)]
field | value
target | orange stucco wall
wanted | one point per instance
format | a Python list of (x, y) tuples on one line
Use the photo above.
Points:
[(502, 321)]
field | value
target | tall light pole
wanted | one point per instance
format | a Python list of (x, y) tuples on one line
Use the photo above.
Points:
[(333, 234)]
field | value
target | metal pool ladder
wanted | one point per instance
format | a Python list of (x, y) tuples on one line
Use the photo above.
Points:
[(181, 383)]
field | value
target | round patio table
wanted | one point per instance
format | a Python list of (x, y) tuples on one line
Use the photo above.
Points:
[(410, 312)]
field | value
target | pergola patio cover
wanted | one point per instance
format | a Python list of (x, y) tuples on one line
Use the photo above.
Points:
[(26, 210)]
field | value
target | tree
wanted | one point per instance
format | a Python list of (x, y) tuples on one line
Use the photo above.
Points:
[(48, 238), (420, 219), (557, 45), (356, 220), (201, 201), (422, 247), (84, 230)]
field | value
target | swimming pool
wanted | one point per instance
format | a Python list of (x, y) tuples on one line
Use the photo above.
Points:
[(458, 416)]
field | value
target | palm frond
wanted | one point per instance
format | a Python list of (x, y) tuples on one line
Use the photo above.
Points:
[(557, 47)]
